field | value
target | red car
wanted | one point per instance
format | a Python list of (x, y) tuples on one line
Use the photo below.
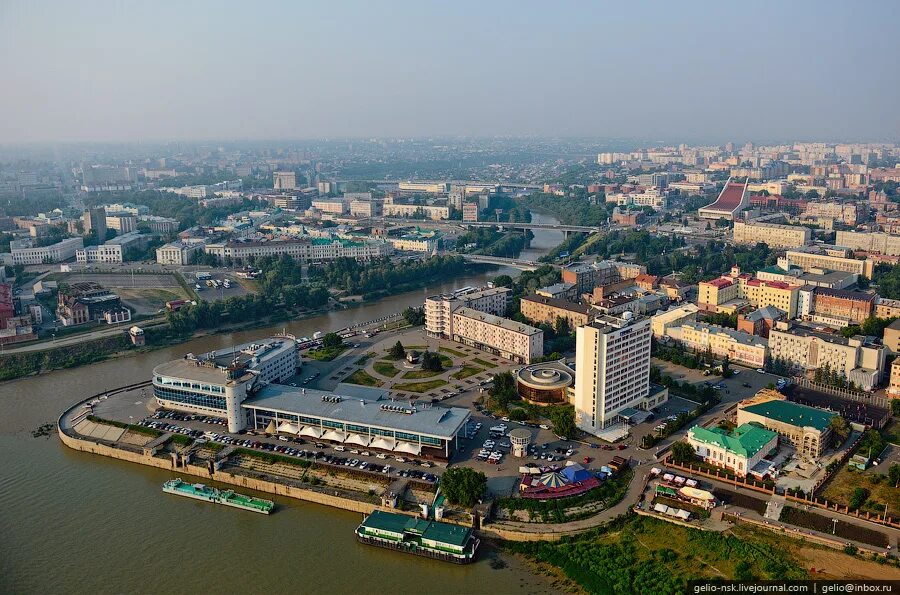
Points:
[(622, 447)]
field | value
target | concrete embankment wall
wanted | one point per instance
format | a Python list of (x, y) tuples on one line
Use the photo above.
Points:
[(260, 485)]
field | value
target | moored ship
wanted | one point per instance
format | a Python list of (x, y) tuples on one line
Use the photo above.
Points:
[(422, 537), (199, 491)]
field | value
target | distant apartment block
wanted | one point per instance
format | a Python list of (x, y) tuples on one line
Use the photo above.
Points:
[(586, 276), (434, 213), (881, 243), (177, 253), (284, 180), (540, 309), (424, 187), (842, 212), (470, 211), (121, 222), (827, 258), (160, 225), (113, 251), (771, 234), (58, 252), (335, 206), (304, 250)]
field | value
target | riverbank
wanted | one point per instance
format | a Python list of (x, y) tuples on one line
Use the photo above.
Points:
[(34, 362)]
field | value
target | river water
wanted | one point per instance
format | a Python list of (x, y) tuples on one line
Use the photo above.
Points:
[(82, 523)]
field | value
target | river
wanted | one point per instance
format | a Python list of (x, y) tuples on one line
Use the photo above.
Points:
[(82, 523)]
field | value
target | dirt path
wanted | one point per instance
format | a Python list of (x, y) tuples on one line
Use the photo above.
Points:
[(841, 566)]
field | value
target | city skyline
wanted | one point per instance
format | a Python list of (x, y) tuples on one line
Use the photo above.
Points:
[(697, 73)]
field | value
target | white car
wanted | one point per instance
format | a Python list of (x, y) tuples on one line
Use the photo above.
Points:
[(381, 455), (544, 427)]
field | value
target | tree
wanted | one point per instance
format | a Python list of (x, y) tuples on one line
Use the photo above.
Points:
[(858, 497), (742, 571), (682, 452), (432, 361), (503, 281), (397, 351), (840, 428), (563, 420), (894, 474), (332, 341), (518, 414), (463, 486), (503, 390), (414, 316)]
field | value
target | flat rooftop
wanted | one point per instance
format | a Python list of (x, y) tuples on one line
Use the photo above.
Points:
[(792, 413), (505, 323), (441, 422)]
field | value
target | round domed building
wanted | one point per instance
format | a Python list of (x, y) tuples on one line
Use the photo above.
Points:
[(546, 383)]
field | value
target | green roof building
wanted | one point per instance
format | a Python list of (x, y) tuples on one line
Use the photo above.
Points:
[(739, 450), (808, 428)]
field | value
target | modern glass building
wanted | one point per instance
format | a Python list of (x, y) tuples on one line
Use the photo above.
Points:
[(374, 422), (216, 383)]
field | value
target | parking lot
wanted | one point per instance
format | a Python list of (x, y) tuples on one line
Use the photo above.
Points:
[(216, 286), (210, 429)]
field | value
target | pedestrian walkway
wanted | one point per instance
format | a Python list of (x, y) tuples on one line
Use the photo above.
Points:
[(774, 507)]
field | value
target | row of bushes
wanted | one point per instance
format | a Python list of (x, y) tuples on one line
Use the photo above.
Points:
[(16, 365)]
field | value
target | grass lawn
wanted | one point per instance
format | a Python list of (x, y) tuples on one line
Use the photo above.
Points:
[(452, 351), (416, 374), (446, 361), (326, 354), (466, 372), (385, 368), (364, 378), (842, 484), (420, 387), (361, 361), (484, 363)]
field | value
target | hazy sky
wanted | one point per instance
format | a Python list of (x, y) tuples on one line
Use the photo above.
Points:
[(131, 71)]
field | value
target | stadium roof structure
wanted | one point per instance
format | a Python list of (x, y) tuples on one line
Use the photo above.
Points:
[(732, 200)]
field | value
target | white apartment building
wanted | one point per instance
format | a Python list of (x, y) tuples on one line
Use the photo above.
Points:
[(430, 212), (177, 253), (855, 359), (501, 336), (826, 258), (771, 234), (439, 308), (305, 249), (58, 252), (883, 243), (335, 206), (612, 371), (112, 251), (740, 347), (366, 207), (425, 187)]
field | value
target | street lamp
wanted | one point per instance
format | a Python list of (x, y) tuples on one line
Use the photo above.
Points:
[(833, 526)]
